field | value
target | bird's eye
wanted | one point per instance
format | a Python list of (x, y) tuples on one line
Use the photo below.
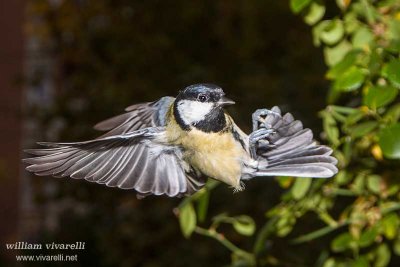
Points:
[(202, 98)]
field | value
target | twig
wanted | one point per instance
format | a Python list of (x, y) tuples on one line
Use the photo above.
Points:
[(228, 244)]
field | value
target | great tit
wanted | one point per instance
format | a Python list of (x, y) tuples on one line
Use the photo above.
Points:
[(170, 147)]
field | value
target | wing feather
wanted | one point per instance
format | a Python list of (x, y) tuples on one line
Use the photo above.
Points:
[(138, 116), (131, 161)]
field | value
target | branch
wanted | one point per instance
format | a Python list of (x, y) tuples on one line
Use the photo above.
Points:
[(228, 244)]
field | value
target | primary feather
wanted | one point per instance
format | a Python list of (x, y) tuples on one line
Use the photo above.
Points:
[(136, 160), (139, 116)]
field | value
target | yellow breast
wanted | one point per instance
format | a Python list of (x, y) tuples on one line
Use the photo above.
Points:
[(217, 155)]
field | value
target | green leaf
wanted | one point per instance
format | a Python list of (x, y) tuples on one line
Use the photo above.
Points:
[(285, 224), (330, 128), (337, 116), (330, 263), (347, 152), (187, 219), (362, 37), (378, 96), (389, 141), (360, 262), (393, 114), (390, 224), (300, 187), (368, 237), (386, 3), (284, 230), (358, 184), (375, 63), (362, 129), (244, 225), (315, 13), (344, 110), (382, 256), (299, 5), (351, 22), (343, 65), (396, 246), (342, 242), (343, 177), (366, 10), (284, 181), (394, 46), (389, 207), (332, 31), (393, 189), (374, 183), (354, 117), (343, 4), (393, 31), (202, 206), (392, 72), (351, 80), (334, 55)]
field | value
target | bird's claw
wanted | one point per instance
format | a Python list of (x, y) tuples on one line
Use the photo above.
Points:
[(259, 117), (259, 135)]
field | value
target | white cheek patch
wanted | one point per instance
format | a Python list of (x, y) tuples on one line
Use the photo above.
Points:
[(193, 111)]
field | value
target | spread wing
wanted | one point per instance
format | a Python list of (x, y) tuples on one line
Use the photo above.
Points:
[(130, 161), (292, 151), (138, 116)]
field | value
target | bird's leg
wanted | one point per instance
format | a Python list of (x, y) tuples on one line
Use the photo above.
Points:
[(259, 117), (256, 136)]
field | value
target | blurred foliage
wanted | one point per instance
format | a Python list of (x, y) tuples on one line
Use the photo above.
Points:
[(358, 209)]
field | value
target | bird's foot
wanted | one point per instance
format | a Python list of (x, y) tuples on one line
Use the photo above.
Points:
[(259, 117), (255, 137)]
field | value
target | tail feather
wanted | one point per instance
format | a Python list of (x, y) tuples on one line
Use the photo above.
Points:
[(303, 160), (279, 139), (291, 128), (291, 151), (309, 151), (313, 170), (290, 144)]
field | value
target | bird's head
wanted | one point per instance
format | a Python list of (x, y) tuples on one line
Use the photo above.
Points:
[(200, 105)]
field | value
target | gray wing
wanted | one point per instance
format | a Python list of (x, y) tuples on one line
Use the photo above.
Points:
[(291, 151), (130, 161), (138, 116)]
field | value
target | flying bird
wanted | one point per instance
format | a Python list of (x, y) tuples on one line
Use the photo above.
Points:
[(171, 146)]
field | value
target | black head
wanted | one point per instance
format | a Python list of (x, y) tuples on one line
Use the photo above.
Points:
[(205, 92), (200, 105)]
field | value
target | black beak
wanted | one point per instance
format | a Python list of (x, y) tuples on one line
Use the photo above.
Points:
[(224, 101)]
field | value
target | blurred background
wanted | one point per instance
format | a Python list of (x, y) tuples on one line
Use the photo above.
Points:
[(65, 65)]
